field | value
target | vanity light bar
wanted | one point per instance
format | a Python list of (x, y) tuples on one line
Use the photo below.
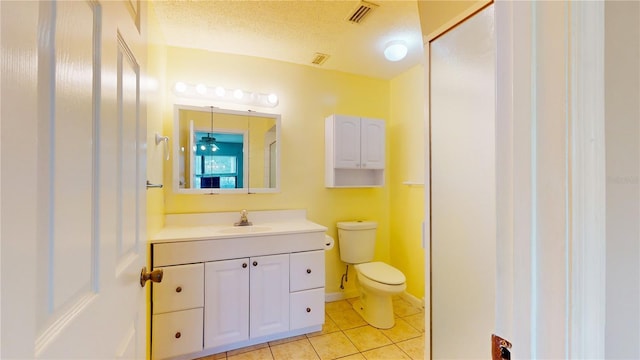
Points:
[(238, 96)]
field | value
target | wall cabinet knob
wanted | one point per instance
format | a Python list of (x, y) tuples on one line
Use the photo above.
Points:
[(244, 265), (308, 310), (178, 335), (179, 289), (308, 271), (255, 263)]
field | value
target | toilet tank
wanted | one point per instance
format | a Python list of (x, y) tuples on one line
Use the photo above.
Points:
[(357, 241)]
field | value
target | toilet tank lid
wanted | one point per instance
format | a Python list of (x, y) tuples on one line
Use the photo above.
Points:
[(357, 225), (382, 273)]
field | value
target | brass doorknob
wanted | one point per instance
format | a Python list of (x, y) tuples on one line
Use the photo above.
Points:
[(155, 276)]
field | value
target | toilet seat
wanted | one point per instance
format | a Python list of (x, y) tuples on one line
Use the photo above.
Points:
[(381, 272)]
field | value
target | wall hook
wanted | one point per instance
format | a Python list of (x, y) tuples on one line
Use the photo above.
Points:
[(165, 140)]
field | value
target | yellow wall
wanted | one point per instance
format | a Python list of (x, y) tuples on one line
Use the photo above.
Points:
[(307, 95), (406, 138), (155, 92)]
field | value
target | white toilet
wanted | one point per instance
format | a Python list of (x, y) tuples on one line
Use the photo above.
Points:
[(377, 281)]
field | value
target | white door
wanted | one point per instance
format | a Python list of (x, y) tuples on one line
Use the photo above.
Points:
[(73, 193), (463, 190), (269, 295), (226, 318)]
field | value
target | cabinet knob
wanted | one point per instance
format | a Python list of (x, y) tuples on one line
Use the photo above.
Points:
[(244, 265), (255, 263), (179, 289), (308, 271), (178, 335), (308, 310)]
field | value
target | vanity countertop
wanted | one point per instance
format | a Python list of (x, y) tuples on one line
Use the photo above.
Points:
[(213, 226)]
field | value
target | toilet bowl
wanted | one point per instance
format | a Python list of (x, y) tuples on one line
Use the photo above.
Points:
[(377, 283)]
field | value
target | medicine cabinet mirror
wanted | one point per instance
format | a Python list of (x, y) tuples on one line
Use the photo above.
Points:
[(225, 151)]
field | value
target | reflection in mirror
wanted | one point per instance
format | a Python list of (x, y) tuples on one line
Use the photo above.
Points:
[(225, 151)]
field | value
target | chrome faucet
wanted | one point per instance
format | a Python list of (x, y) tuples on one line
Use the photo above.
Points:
[(244, 221)]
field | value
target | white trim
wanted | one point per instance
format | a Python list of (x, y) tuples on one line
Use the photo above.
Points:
[(587, 202), (419, 303), (471, 10), (341, 295)]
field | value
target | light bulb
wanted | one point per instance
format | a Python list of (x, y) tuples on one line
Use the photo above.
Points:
[(201, 89), (220, 91), (396, 50), (202, 147), (238, 94), (181, 87), (272, 98)]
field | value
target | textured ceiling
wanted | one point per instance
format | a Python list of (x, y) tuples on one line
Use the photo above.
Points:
[(294, 31)]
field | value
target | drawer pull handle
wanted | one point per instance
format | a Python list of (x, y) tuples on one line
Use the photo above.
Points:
[(308, 310), (308, 271), (178, 335), (179, 289), (255, 263), (244, 265)]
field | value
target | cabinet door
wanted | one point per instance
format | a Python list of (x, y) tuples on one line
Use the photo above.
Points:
[(182, 288), (372, 143), (307, 308), (307, 270), (346, 142), (226, 308), (176, 333), (269, 301)]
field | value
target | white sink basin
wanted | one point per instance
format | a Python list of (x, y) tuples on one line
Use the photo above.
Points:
[(244, 229)]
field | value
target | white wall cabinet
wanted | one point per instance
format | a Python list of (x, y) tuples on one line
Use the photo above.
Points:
[(223, 294), (354, 151)]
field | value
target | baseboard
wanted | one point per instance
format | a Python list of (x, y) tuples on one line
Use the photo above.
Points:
[(412, 299), (341, 295)]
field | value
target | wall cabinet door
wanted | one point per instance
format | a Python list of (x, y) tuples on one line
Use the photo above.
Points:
[(347, 142), (371, 144), (226, 315), (269, 295)]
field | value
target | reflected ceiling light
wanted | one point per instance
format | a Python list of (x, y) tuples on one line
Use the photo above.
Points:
[(395, 50), (219, 93)]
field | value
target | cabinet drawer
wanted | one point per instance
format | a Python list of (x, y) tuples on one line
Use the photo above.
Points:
[(182, 288), (176, 333), (307, 308), (306, 270)]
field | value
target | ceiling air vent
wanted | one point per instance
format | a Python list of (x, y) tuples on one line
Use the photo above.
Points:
[(319, 59), (361, 12)]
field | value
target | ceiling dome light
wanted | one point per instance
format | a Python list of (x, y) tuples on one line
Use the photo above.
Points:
[(395, 50)]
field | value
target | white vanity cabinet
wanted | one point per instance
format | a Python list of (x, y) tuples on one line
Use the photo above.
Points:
[(354, 151), (230, 291)]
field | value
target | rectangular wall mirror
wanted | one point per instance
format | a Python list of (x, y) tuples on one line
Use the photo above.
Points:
[(225, 151)]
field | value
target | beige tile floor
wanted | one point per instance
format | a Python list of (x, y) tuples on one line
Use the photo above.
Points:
[(345, 336)]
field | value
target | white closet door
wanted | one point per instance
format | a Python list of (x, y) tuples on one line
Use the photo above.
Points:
[(463, 194)]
